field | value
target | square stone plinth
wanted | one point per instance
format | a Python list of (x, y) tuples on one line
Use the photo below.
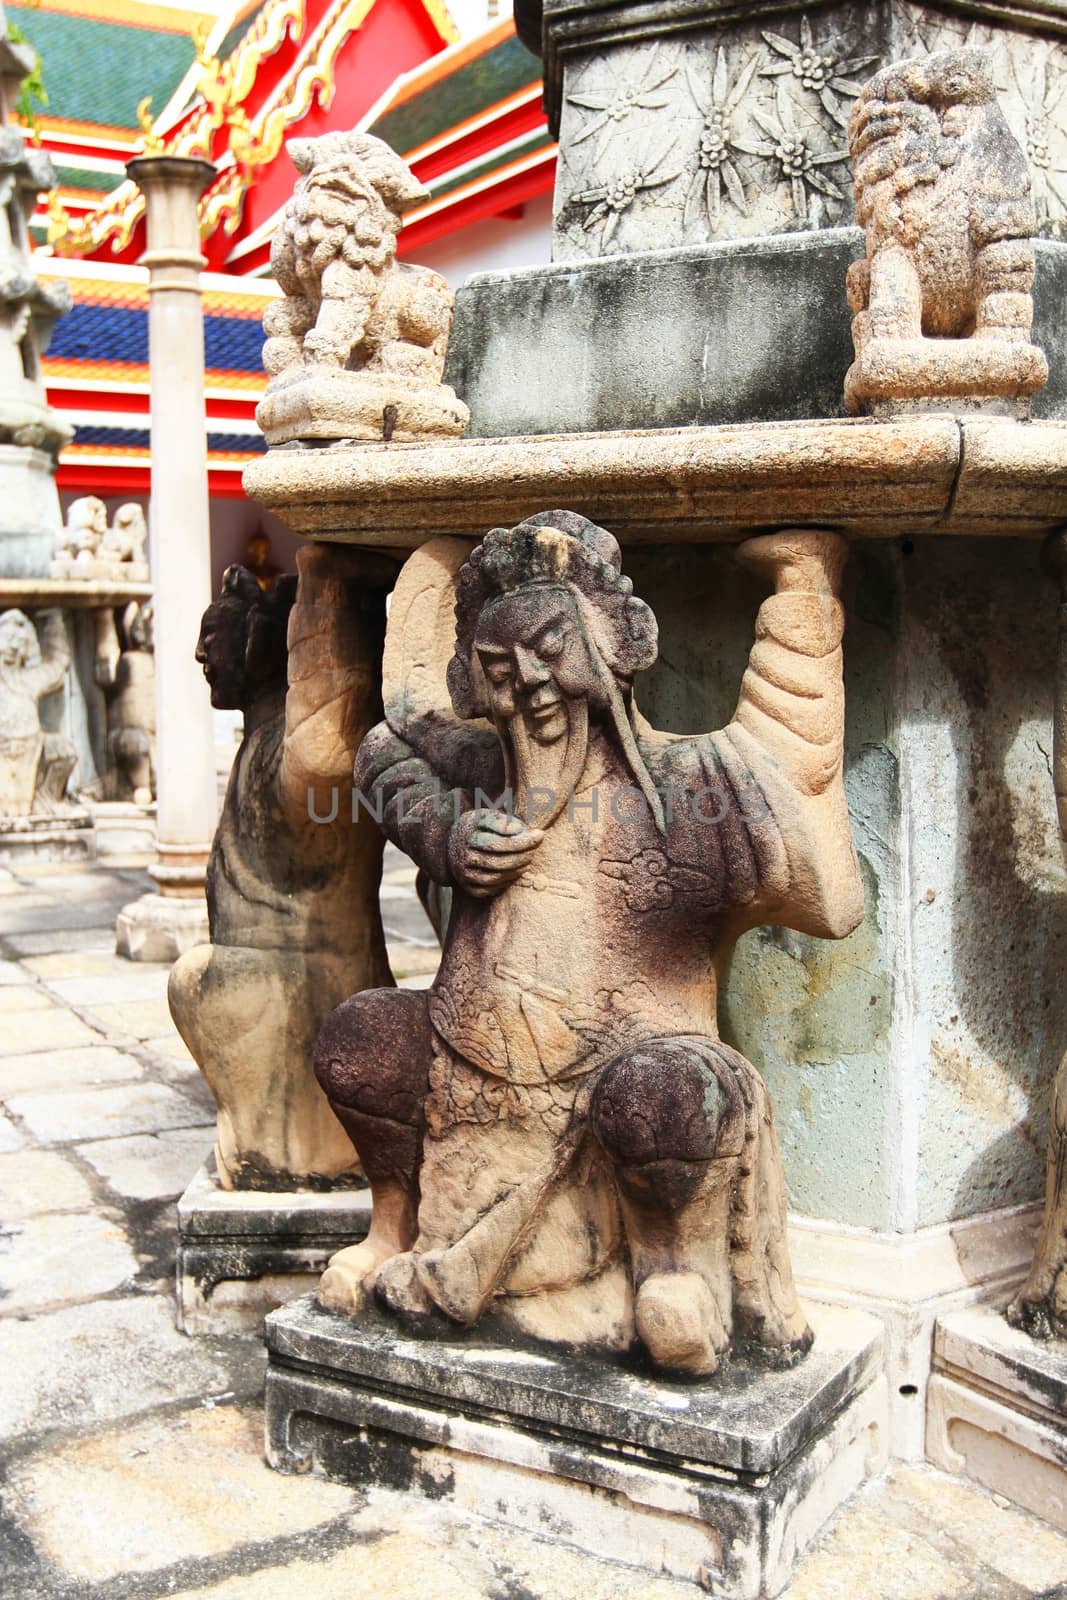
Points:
[(69, 837), (723, 1483), (997, 1410), (244, 1252)]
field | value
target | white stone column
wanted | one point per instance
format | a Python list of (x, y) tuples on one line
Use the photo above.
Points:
[(158, 927)]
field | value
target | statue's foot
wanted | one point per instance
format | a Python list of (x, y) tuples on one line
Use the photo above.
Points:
[(223, 1169), (348, 1281), (679, 1324), (1043, 1316), (401, 1291), (453, 1282)]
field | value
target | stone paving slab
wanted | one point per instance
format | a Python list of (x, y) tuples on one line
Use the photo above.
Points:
[(25, 942), (70, 964), (97, 1113), (17, 998), (143, 1019), (14, 972), (46, 1261), (147, 1166), (134, 984), (396, 1552), (92, 1364), (172, 1048), (36, 1181), (10, 1137), (45, 1030), (166, 1490), (1017, 1546), (46, 1070)]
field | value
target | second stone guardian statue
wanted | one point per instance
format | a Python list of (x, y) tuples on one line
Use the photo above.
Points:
[(555, 1131)]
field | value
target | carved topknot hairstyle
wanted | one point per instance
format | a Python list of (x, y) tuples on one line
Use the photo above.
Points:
[(554, 547), (265, 615), (379, 164)]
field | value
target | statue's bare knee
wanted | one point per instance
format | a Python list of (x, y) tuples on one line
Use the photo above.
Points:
[(372, 1059), (661, 1114)]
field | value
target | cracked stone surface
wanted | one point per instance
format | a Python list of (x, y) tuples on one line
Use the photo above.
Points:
[(131, 1456)]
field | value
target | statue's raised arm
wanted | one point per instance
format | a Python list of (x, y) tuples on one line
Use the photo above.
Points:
[(788, 731), (332, 693)]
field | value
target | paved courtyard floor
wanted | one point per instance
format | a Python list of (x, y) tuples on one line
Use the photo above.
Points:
[(131, 1456)]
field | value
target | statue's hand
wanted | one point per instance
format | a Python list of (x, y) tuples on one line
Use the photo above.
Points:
[(798, 559), (488, 850)]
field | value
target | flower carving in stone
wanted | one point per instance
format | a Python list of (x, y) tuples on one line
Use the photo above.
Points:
[(616, 99), (799, 163), (718, 104), (822, 71), (1041, 81), (609, 200)]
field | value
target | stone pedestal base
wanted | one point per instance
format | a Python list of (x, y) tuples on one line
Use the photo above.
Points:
[(92, 570), (723, 1483), (997, 1411), (327, 403), (30, 517), (244, 1252), (891, 377), (64, 838), (161, 927), (124, 829)]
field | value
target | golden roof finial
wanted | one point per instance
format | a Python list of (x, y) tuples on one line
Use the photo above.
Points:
[(201, 35), (59, 221), (153, 144)]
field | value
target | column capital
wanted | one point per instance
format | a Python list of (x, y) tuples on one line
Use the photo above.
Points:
[(149, 172), (172, 185)]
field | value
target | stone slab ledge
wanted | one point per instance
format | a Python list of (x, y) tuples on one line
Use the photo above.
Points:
[(928, 473)]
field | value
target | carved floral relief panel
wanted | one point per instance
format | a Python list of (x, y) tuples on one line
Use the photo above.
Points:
[(739, 132)]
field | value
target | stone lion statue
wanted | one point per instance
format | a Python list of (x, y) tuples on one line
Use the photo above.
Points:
[(943, 190), (361, 335), (125, 539)]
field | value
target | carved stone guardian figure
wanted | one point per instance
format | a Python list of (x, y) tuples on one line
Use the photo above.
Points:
[(126, 671), (35, 765), (293, 878), (555, 1130), (942, 301), (356, 348), (87, 548)]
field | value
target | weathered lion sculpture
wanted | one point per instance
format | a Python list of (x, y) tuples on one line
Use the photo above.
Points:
[(350, 307), (942, 302)]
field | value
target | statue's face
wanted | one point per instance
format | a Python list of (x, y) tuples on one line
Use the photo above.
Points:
[(536, 657), (18, 641), (220, 650)]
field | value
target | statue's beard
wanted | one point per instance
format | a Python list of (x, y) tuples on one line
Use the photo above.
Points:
[(542, 777)]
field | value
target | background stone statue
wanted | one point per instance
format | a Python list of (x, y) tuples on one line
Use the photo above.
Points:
[(357, 347), (84, 530), (35, 765), (555, 1128), (942, 299), (292, 881), (125, 669), (87, 548), (125, 539)]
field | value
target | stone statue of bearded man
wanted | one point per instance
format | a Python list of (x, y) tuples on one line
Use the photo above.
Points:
[(554, 1132)]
